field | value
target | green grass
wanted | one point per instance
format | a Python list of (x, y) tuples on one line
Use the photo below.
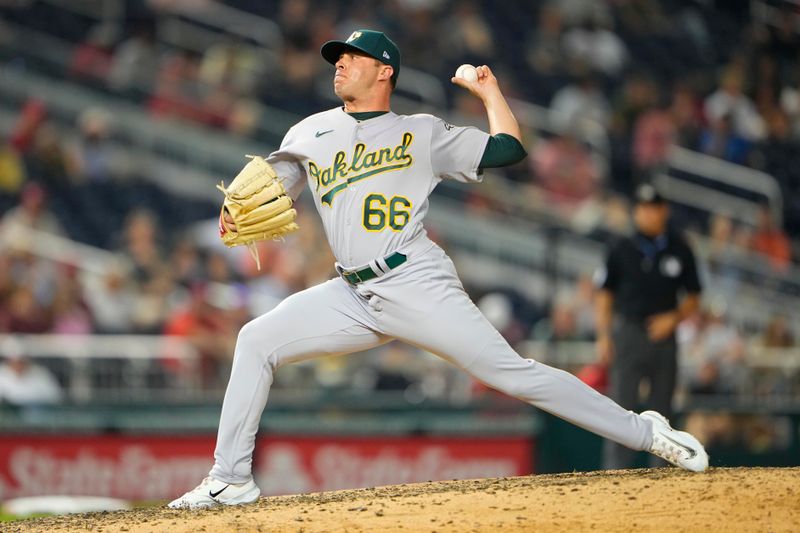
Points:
[(6, 517)]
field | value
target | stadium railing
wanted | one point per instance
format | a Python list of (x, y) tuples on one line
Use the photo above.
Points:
[(115, 369), (740, 192), (57, 249)]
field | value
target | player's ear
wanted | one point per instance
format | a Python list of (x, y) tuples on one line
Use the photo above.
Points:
[(386, 72)]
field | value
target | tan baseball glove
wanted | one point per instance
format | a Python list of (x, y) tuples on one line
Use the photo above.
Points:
[(256, 207)]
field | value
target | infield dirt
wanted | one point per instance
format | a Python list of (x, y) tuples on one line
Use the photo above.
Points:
[(722, 499)]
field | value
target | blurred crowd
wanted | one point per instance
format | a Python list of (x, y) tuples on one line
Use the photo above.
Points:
[(156, 284), (704, 75), (711, 76)]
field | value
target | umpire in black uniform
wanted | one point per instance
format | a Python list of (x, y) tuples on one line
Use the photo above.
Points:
[(649, 284)]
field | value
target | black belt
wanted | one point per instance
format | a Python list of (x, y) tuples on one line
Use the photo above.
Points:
[(354, 277)]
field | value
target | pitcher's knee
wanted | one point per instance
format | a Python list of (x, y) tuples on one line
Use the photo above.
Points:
[(248, 336), (257, 339)]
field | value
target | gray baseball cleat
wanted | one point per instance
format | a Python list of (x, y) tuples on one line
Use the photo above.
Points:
[(677, 447), (213, 492)]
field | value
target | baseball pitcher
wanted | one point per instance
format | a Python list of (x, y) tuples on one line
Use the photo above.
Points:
[(370, 172)]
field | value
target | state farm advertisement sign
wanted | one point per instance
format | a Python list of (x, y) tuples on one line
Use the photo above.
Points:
[(161, 467), (289, 466), (115, 466)]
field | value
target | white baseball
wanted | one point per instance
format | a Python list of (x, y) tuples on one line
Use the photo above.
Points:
[(467, 72)]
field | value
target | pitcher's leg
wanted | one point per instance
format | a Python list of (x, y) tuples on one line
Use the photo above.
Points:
[(322, 320), (559, 393), (458, 332)]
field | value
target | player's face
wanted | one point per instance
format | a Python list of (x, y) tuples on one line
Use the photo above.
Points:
[(356, 75)]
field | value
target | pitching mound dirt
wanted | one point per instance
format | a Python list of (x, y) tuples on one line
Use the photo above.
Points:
[(723, 499)]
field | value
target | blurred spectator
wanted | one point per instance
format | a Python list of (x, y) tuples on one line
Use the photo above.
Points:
[(31, 214), (31, 117), (766, 85), (716, 352), (21, 313), (577, 12), (544, 51), (185, 263), (560, 326), (110, 298), (293, 19), (499, 311), (282, 276), (771, 241), (638, 95), (723, 255), (12, 170), (294, 90), (233, 65), (71, 314), (597, 46), (359, 14), (181, 94), (92, 154), (582, 301), (565, 169), (777, 334), (779, 156), (721, 140), (49, 162), (729, 103), (91, 60), (783, 41), (141, 246), (790, 103), (396, 369), (245, 117), (24, 383), (322, 26), (318, 259), (653, 135), (135, 61), (155, 300), (644, 18), (210, 324), (579, 101), (217, 268), (466, 35), (604, 217), (687, 111)]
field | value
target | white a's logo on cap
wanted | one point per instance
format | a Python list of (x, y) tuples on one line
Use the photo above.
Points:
[(353, 36), (386, 54)]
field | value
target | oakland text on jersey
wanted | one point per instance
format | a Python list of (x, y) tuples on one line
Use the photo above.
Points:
[(336, 177)]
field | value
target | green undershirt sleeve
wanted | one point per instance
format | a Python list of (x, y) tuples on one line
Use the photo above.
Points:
[(502, 150)]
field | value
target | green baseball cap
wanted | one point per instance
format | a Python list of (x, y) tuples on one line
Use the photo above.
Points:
[(373, 43)]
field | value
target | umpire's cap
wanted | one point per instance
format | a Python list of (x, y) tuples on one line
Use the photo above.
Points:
[(373, 43), (646, 193)]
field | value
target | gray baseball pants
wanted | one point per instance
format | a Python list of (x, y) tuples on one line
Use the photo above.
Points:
[(422, 303)]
